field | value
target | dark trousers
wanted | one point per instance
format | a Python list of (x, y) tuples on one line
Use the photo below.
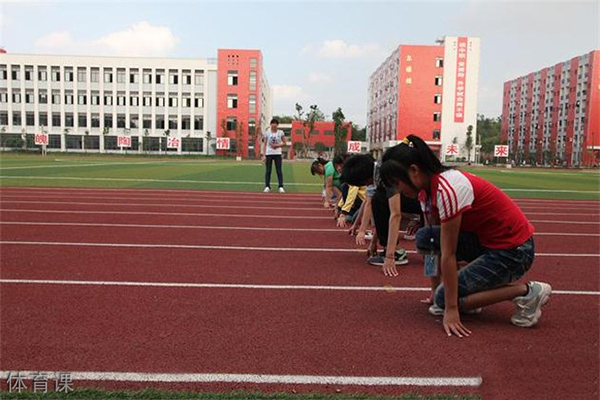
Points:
[(269, 163), (381, 212)]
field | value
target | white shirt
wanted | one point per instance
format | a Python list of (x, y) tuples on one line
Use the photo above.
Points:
[(272, 138)]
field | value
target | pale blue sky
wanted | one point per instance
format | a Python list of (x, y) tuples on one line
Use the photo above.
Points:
[(314, 52)]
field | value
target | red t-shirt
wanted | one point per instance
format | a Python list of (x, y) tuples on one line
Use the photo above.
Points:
[(486, 211)]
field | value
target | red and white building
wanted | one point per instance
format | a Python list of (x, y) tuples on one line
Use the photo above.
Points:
[(552, 116), (323, 132), (429, 91)]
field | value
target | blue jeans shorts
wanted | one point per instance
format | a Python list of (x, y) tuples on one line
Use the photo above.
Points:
[(487, 269)]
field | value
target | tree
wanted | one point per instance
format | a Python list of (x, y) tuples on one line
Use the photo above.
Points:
[(469, 142), (308, 123), (256, 135), (239, 135), (320, 147), (284, 119), (488, 131), (359, 134), (340, 131)]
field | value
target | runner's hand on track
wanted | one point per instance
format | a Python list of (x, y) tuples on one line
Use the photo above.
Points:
[(389, 267), (360, 238), (341, 221), (452, 324)]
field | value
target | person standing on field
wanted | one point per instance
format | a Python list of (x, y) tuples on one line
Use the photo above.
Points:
[(272, 142)]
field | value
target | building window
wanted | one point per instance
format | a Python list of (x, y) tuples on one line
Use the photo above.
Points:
[(30, 119), (121, 99), (95, 75), (120, 120), (147, 121), (199, 77), (160, 122), (108, 121), (147, 76), (16, 97), (3, 97), (42, 74), (172, 121), (81, 75), (198, 102), (108, 99), (133, 76), (439, 62), (69, 98), (173, 100), (69, 122), (81, 98), (160, 100), (43, 119), (3, 74), (232, 78), (253, 63), (95, 99), (252, 80), (28, 73), (134, 100), (186, 102), (15, 73), (55, 97), (173, 78), (108, 75), (187, 78), (198, 123), (147, 100), (55, 74), (16, 118), (29, 97), (438, 81), (82, 121), (134, 121), (437, 99), (120, 75), (95, 120), (55, 119), (437, 116), (3, 118), (160, 77), (436, 134), (186, 123), (252, 104), (231, 124), (69, 75), (232, 101)]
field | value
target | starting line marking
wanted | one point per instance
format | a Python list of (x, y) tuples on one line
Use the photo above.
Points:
[(234, 228), (245, 248), (387, 289), (267, 379)]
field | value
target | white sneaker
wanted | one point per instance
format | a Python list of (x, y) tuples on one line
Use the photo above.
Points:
[(529, 308), (369, 235), (267, 190), (281, 190)]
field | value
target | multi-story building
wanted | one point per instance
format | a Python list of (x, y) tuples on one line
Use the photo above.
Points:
[(429, 91), (86, 103), (552, 116), (323, 133), (244, 98)]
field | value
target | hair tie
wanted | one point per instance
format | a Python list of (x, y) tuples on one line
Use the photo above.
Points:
[(407, 142)]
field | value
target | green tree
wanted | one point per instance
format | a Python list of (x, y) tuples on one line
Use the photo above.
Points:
[(320, 147), (239, 138), (309, 120), (340, 131), (284, 119), (488, 132), (359, 134), (469, 142)]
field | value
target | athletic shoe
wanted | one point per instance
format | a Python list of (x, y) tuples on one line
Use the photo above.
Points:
[(400, 253), (379, 259), (437, 311), (529, 307), (267, 190), (368, 235), (281, 190)]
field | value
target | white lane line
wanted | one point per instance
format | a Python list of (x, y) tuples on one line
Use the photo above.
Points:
[(110, 164), (146, 180), (243, 228), (432, 381), (244, 248), (253, 286), (170, 204), (149, 213)]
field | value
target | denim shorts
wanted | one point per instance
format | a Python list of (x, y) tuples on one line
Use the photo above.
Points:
[(487, 269)]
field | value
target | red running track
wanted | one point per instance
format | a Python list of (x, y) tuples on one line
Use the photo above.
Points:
[(320, 332)]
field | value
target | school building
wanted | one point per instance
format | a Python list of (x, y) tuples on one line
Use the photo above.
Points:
[(429, 91), (85, 103), (323, 133), (552, 116)]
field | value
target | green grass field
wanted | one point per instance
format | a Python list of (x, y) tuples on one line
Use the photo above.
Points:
[(201, 173)]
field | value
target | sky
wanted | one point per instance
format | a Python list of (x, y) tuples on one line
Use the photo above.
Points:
[(314, 52)]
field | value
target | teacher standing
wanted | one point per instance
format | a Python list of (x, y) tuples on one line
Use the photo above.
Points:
[(272, 141)]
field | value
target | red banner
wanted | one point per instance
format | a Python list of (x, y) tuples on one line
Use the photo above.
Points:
[(41, 139), (173, 143), (123, 141), (461, 80)]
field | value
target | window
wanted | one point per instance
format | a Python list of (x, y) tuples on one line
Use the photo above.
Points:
[(252, 80), (120, 120), (55, 74), (147, 121), (134, 100), (198, 123), (15, 73), (69, 122), (173, 78), (16, 118), (186, 123), (16, 97), (3, 75), (187, 78), (251, 126), (134, 121), (439, 62), (81, 75), (95, 75), (160, 122), (121, 99), (69, 75), (186, 102), (108, 121), (95, 120), (173, 101), (199, 102), (134, 76), (199, 77), (56, 97), (108, 75), (3, 118), (3, 97), (328, 133), (438, 81), (160, 100), (120, 75), (437, 116), (42, 74), (82, 121), (55, 119), (436, 134), (232, 78), (172, 121), (437, 99), (147, 76), (252, 104), (28, 73), (81, 98), (231, 124), (108, 99), (160, 77), (232, 101), (29, 97), (95, 98), (30, 119), (147, 100), (43, 119), (253, 63)]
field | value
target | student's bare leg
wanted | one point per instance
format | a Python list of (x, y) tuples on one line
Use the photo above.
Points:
[(489, 297)]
